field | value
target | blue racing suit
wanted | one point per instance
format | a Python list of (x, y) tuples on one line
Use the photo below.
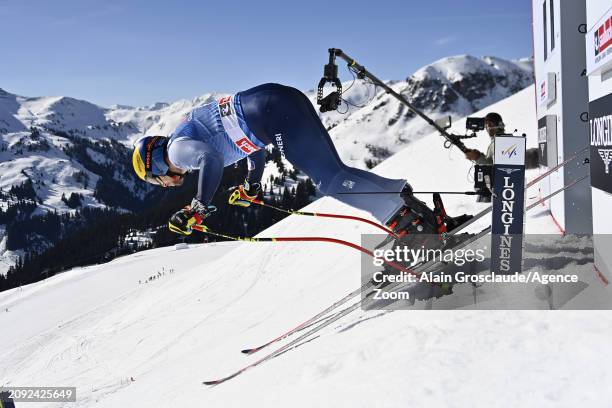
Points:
[(284, 117)]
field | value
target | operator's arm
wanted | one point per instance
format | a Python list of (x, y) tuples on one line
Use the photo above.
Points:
[(483, 159), (486, 158)]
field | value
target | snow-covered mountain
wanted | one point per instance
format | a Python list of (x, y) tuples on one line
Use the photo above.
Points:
[(124, 342), (55, 148), (62, 146), (61, 113)]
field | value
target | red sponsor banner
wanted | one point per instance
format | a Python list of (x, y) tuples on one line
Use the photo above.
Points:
[(603, 37), (542, 95), (607, 36), (599, 45), (246, 145)]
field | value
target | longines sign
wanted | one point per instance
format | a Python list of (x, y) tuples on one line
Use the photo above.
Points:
[(508, 205), (600, 131)]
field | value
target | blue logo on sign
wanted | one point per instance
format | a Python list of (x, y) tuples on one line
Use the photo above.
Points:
[(511, 151)]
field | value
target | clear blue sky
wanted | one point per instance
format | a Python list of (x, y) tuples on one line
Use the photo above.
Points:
[(138, 52)]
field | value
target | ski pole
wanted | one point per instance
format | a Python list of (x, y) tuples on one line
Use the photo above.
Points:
[(530, 183), (206, 230), (327, 215), (414, 192)]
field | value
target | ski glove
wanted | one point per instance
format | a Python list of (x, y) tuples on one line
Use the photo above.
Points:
[(182, 220), (245, 194)]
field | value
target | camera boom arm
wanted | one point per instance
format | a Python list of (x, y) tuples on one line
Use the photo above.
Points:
[(331, 101)]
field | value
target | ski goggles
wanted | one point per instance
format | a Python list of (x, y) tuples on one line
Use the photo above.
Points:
[(152, 179), (154, 160)]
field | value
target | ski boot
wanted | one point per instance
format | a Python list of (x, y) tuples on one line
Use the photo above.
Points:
[(444, 222), (414, 217)]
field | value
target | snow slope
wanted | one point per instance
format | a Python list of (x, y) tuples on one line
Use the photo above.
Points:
[(97, 328)]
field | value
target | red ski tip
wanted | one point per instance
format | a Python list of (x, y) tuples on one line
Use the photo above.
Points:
[(249, 351)]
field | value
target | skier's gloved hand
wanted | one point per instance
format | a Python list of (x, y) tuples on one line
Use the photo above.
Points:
[(201, 209), (245, 194), (182, 220)]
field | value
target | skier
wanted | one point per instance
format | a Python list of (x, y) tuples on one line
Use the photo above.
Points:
[(222, 132)]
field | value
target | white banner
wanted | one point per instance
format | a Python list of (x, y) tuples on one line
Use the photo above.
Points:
[(510, 150), (599, 45)]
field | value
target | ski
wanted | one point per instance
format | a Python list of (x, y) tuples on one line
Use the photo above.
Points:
[(338, 315), (450, 233), (548, 172), (334, 305), (303, 337), (306, 323), (287, 346)]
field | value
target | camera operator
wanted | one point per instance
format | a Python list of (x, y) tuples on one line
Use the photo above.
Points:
[(494, 125)]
